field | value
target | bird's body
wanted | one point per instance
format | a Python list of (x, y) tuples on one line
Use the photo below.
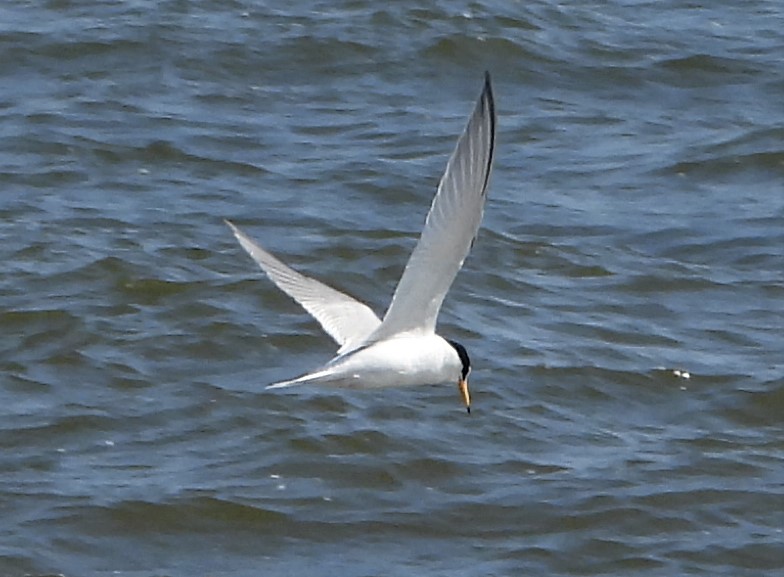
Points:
[(403, 360), (403, 348)]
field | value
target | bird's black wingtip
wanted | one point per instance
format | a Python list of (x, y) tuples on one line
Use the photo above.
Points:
[(488, 86), (488, 91)]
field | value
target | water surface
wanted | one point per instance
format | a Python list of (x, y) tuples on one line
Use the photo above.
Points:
[(633, 238)]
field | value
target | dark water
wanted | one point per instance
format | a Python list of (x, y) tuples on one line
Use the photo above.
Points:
[(634, 237)]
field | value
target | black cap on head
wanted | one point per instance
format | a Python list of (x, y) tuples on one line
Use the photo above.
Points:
[(463, 354)]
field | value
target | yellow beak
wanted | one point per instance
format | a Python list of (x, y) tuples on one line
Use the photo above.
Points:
[(463, 385)]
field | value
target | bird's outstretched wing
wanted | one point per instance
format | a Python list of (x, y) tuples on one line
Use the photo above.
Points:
[(450, 227), (344, 318)]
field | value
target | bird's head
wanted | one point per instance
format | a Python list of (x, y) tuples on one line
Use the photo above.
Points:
[(465, 370)]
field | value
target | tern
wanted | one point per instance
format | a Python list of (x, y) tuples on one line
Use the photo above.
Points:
[(403, 348)]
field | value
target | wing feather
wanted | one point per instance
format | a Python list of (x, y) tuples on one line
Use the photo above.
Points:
[(450, 227), (345, 319)]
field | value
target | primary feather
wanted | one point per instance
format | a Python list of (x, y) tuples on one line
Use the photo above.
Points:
[(450, 227)]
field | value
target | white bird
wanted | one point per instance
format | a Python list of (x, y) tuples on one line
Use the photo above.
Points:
[(403, 348)]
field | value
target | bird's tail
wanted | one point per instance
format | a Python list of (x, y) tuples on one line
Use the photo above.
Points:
[(303, 380)]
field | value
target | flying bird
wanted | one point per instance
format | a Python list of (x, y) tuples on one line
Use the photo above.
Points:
[(403, 348)]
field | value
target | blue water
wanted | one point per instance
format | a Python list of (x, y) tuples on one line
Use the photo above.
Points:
[(622, 305)]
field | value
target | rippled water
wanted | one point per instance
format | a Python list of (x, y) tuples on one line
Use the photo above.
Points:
[(622, 306)]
